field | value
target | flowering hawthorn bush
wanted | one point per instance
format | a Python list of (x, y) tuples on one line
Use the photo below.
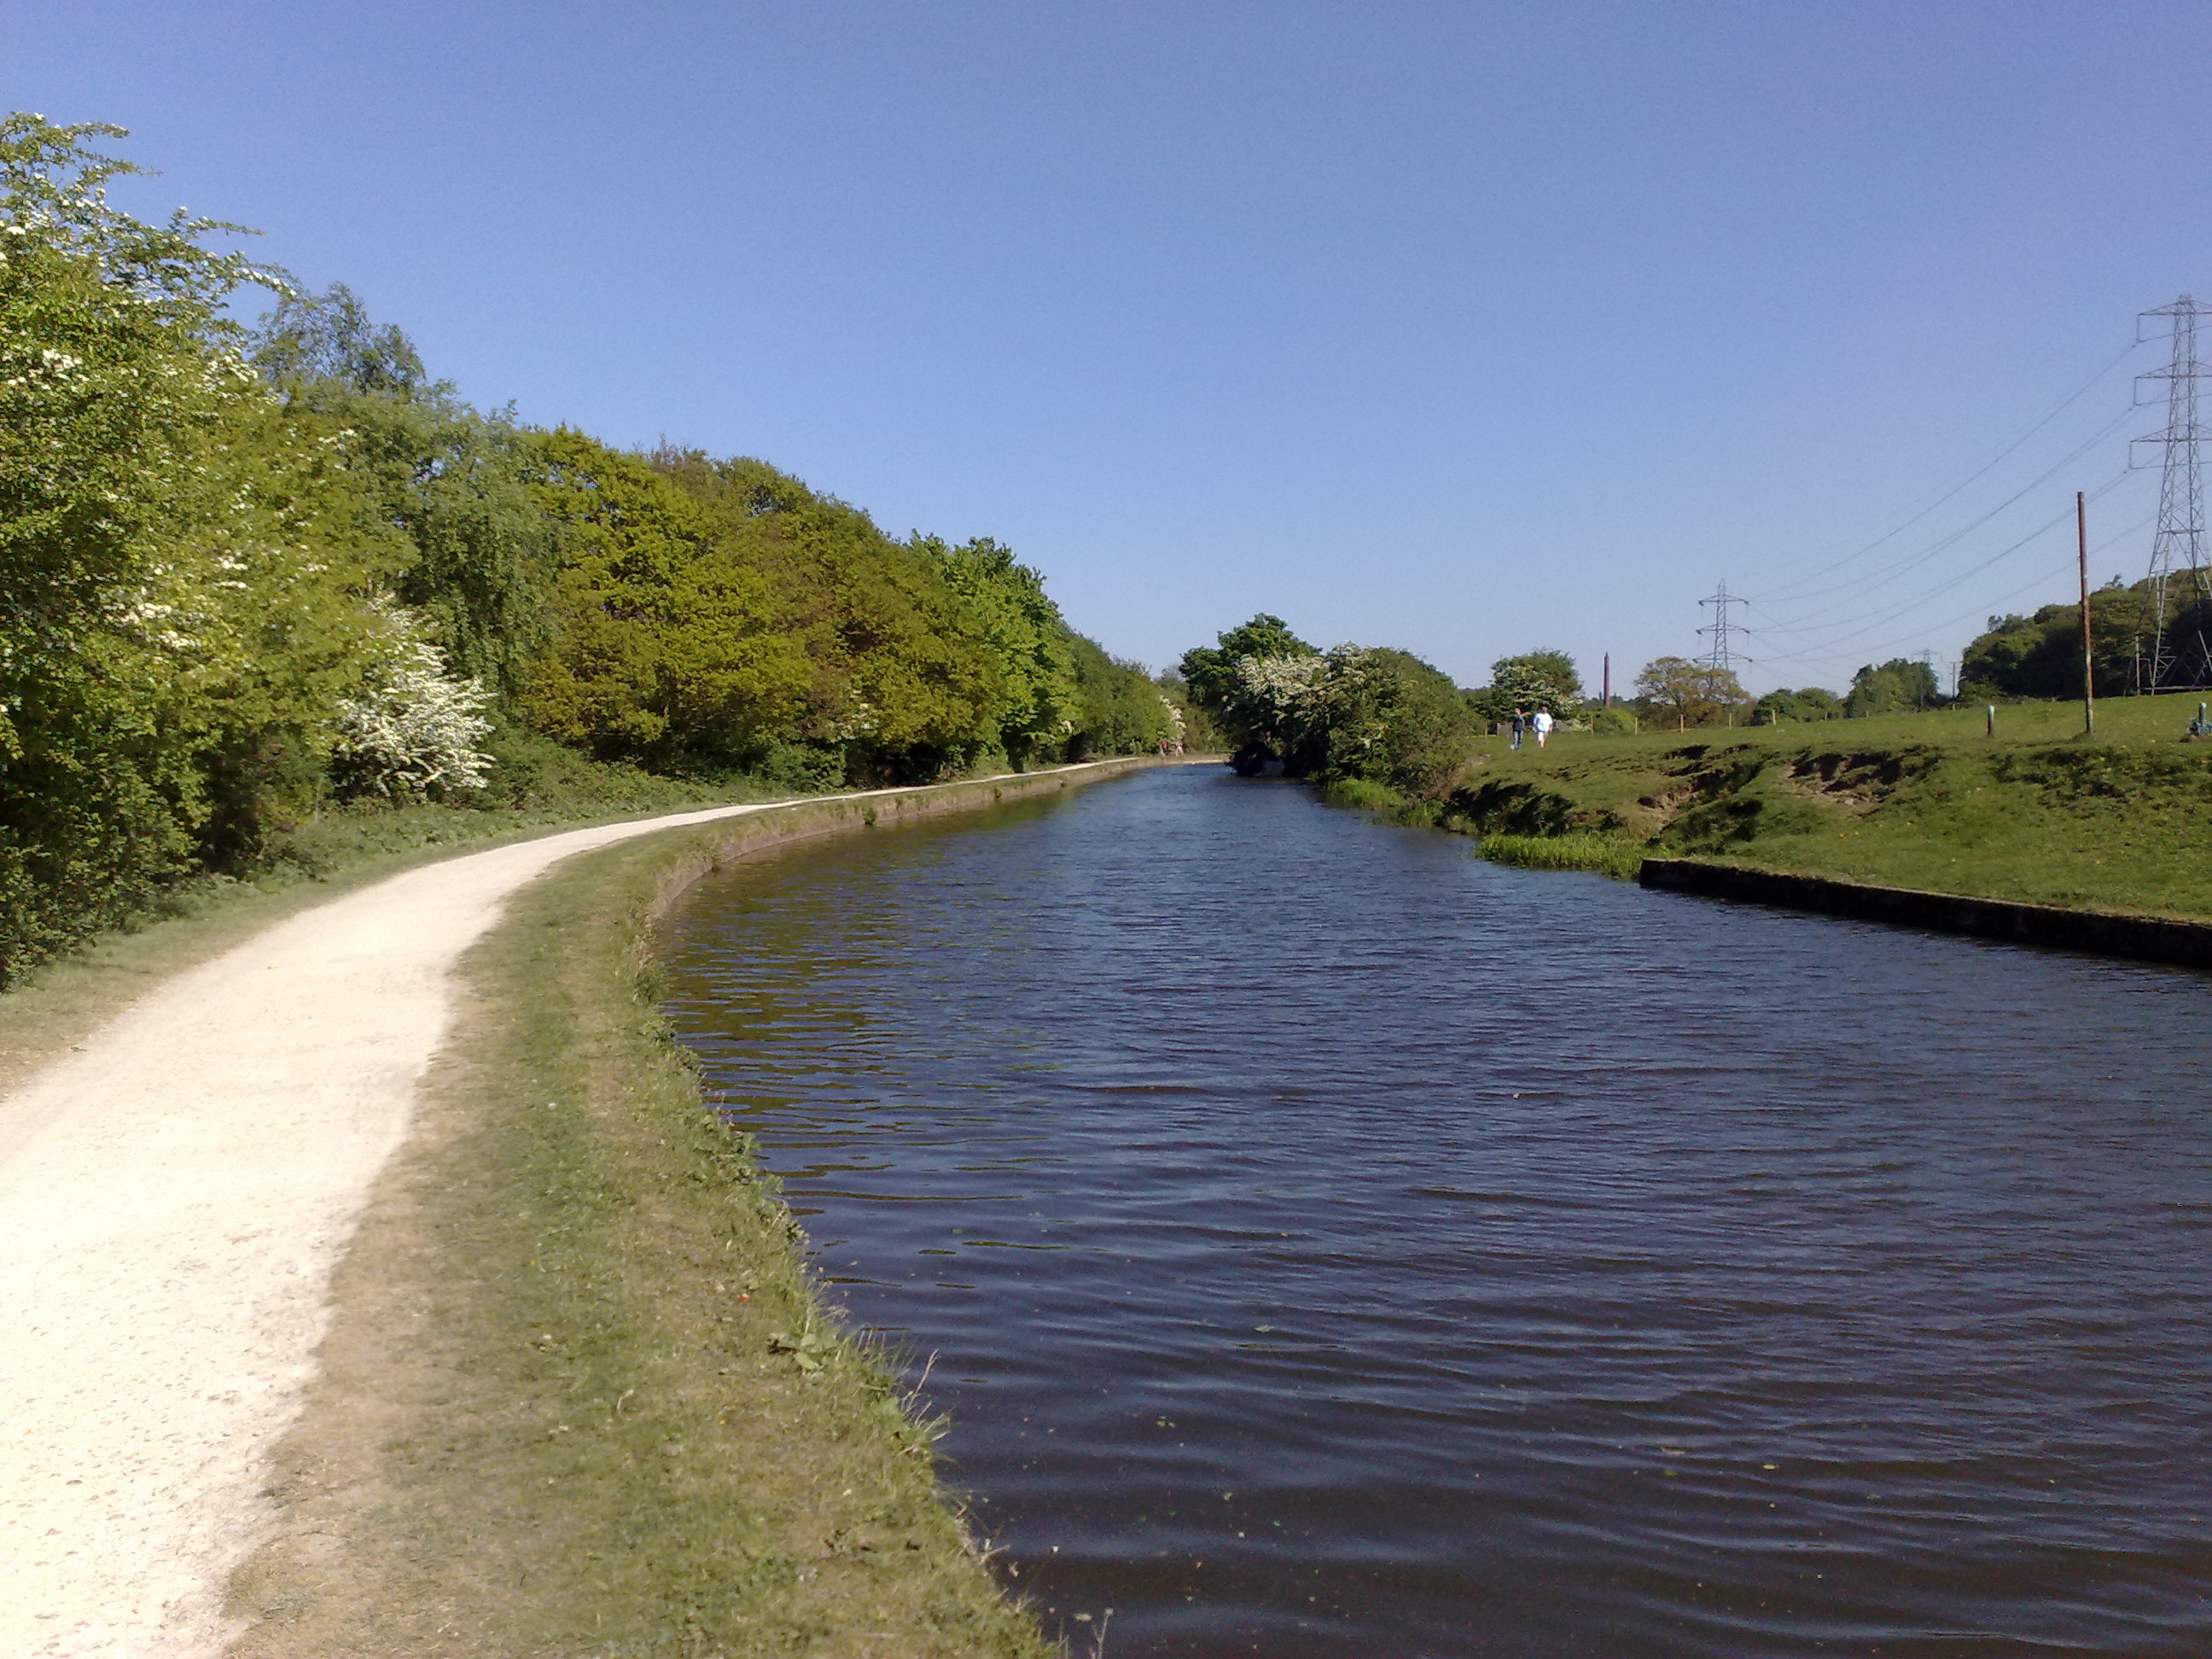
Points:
[(412, 730)]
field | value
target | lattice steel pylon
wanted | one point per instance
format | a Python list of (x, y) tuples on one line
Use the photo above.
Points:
[(2178, 549), (1723, 654)]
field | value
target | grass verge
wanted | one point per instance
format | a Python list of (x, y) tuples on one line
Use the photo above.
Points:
[(579, 1396), (1610, 855)]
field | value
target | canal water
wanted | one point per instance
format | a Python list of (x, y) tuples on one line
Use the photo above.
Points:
[(1326, 1244)]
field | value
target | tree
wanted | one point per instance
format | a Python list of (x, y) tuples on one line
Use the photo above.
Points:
[(1389, 718), (2040, 655), (1369, 713), (1211, 671), (412, 730), (672, 650), (1012, 615), (1884, 688), (1811, 703), (327, 337), (1689, 693), (1534, 679), (481, 555), (903, 682), (185, 566), (1121, 711)]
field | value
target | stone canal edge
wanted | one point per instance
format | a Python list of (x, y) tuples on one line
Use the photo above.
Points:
[(2100, 932)]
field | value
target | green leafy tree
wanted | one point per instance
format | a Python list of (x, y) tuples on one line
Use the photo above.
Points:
[(902, 681), (1886, 688), (2040, 655), (673, 648), (1543, 679), (185, 568), (1812, 702), (1686, 693), (481, 555), (1211, 671), (1387, 717), (1355, 712), (1011, 614), (1533, 680), (1120, 710), (721, 616)]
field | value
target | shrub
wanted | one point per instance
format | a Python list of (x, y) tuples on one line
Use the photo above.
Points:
[(411, 731)]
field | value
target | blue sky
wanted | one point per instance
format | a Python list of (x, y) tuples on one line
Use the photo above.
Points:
[(1465, 328)]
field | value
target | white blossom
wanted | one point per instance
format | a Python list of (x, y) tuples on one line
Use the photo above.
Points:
[(414, 727)]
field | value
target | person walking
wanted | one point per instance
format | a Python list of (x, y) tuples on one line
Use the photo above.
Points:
[(1520, 723), (1541, 724)]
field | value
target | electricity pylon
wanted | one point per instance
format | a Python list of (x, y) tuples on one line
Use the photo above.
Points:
[(2178, 549), (1723, 655)]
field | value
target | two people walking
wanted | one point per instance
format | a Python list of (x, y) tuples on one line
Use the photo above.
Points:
[(1539, 723)]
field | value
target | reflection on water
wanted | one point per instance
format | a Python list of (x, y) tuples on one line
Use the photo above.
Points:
[(1332, 1245)]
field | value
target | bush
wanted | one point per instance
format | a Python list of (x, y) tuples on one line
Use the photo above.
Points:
[(412, 731), (1613, 722)]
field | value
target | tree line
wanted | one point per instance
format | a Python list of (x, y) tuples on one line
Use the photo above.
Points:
[(251, 573), (1384, 717)]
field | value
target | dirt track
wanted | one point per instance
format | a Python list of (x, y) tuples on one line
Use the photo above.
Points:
[(173, 1198)]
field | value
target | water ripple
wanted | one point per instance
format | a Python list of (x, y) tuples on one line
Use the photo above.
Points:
[(1331, 1245)]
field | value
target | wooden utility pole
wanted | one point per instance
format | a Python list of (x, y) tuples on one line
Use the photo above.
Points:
[(2088, 662)]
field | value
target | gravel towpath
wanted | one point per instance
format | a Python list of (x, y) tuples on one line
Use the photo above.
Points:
[(174, 1196)]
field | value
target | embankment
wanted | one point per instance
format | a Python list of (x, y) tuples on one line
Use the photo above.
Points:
[(1928, 804)]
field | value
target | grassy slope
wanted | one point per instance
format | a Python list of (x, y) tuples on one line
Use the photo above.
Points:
[(1930, 801), (580, 1397)]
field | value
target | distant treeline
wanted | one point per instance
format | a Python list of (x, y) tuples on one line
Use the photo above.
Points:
[(2040, 655), (1365, 716), (250, 573)]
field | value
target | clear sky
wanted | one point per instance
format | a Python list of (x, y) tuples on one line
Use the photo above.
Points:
[(1466, 328)]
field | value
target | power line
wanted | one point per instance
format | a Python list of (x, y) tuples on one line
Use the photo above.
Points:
[(1948, 583), (1913, 518), (2119, 536), (1943, 545), (2042, 579)]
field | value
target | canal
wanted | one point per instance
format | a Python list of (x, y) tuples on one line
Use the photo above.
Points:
[(1328, 1244)]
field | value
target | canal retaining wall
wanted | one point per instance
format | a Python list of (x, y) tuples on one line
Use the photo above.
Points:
[(723, 841), (2104, 933)]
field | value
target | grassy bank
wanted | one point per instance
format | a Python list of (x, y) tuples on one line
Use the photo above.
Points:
[(1612, 855), (580, 1397), (2037, 813)]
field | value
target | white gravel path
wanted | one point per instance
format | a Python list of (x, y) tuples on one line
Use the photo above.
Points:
[(173, 1198)]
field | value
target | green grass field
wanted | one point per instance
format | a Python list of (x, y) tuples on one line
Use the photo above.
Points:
[(2122, 820)]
